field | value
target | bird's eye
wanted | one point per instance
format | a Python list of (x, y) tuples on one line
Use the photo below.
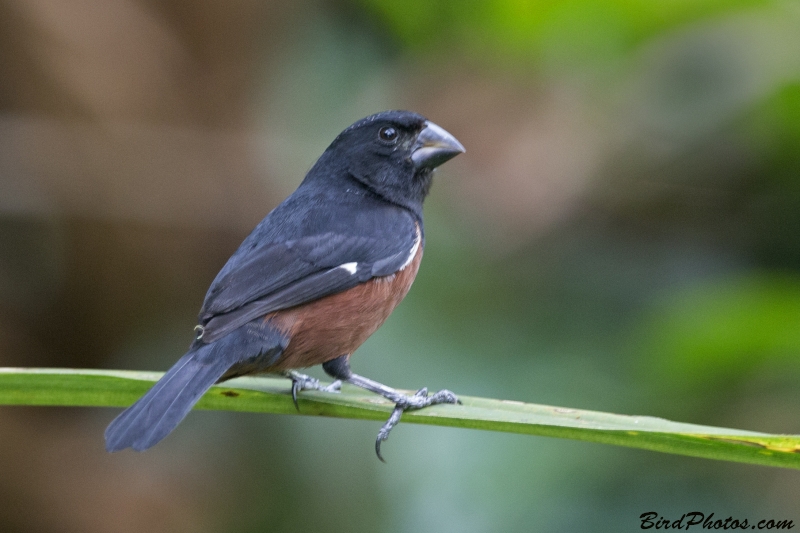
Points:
[(387, 134)]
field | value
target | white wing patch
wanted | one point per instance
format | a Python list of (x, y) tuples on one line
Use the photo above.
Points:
[(353, 267), (413, 250), (350, 267)]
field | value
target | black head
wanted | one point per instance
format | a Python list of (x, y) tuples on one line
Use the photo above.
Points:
[(392, 154)]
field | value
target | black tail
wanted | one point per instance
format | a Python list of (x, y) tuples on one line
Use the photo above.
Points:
[(256, 345), (157, 413)]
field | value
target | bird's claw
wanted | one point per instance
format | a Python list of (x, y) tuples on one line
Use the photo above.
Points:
[(301, 382), (404, 403), (383, 434)]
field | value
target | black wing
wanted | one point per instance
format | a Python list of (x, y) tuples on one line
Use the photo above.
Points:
[(281, 275)]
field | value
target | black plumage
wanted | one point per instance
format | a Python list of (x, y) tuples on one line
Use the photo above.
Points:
[(285, 298)]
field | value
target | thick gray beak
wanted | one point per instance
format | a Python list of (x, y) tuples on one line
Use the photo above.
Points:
[(434, 146)]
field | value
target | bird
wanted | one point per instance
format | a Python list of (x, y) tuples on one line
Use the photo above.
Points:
[(313, 280)]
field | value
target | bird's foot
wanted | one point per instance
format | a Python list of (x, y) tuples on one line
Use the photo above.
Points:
[(404, 403), (301, 382)]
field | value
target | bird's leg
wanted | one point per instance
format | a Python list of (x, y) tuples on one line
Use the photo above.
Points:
[(339, 368), (402, 402), (301, 382)]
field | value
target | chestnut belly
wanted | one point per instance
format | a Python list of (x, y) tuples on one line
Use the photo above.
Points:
[(338, 324)]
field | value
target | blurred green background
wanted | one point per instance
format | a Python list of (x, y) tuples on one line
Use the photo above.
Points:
[(623, 234)]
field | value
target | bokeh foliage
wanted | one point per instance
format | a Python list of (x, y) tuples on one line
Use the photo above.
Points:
[(622, 235)]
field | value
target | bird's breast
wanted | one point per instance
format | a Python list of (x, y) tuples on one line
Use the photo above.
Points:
[(338, 324)]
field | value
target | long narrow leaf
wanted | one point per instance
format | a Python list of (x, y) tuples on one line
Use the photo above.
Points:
[(113, 388)]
